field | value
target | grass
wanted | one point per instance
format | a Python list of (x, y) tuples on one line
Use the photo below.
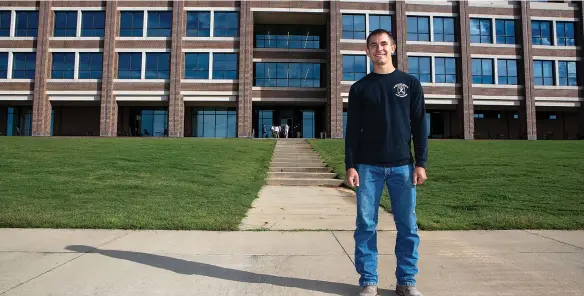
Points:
[(206, 184), (493, 184)]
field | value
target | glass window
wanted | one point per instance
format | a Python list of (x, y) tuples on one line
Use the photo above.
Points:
[(198, 24), (444, 29), (3, 65), (65, 24), (132, 24), (197, 66), (505, 31), (63, 65), (379, 22), (421, 68), (287, 74), (418, 28), (265, 121), (159, 24), (157, 65), (445, 70), (154, 123), (541, 32), (130, 65), (307, 123), (27, 23), (482, 71), (23, 65), (565, 32), (225, 66), (354, 67), (480, 31), (543, 72), (345, 124), (567, 73), (354, 26), (214, 122), (92, 24), (226, 24), (507, 72), (5, 23), (90, 65), (289, 36)]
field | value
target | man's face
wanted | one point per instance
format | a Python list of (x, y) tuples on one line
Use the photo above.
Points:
[(380, 49)]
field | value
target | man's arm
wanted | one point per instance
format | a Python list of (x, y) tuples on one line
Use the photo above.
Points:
[(353, 128), (418, 123)]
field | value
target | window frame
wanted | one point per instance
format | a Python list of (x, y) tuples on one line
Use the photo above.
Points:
[(417, 32), (543, 77), (354, 75), (481, 21), (482, 75), (419, 74)]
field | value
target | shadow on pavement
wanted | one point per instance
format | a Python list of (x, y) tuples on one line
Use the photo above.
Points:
[(209, 270)]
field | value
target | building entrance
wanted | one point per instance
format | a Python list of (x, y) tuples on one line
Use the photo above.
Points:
[(301, 122)]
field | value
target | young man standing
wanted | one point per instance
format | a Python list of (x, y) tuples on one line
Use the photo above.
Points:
[(386, 108)]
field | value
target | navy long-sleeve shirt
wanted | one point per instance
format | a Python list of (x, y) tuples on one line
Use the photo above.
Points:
[(384, 112)]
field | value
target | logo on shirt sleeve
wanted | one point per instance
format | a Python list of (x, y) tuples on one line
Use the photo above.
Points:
[(401, 90)]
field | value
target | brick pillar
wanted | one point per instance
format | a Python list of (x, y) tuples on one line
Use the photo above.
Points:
[(108, 122), (580, 64), (527, 108), (465, 105), (176, 109), (334, 106), (41, 108), (400, 35), (244, 98)]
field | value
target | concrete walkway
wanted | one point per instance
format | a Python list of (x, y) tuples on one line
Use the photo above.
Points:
[(101, 262)]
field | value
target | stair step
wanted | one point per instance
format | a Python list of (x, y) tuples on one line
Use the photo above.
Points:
[(284, 158), (304, 182), (301, 169), (300, 175), (296, 164)]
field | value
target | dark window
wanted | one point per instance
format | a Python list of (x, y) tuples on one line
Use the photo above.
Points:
[(480, 31), (444, 29), (198, 24), (565, 32), (379, 22), (482, 71), (27, 23), (214, 122), (354, 67), (3, 65), (5, 23), (541, 32), (445, 70), (226, 24), (418, 28), (132, 24), (24, 65), (65, 24), (505, 31), (63, 65), (90, 65), (225, 66), (507, 72), (421, 68), (287, 74), (196, 66), (567, 73), (130, 65), (159, 24), (157, 65), (289, 36), (543, 72), (92, 24), (354, 26)]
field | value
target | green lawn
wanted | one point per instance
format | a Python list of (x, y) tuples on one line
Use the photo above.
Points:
[(130, 183), (494, 184)]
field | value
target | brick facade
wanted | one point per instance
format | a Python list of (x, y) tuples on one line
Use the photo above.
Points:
[(465, 104), (244, 98), (334, 106), (109, 107), (527, 109), (41, 116), (176, 110)]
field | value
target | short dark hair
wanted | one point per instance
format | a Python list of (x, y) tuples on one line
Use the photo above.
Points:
[(378, 32)]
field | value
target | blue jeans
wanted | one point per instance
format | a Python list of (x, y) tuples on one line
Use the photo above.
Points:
[(402, 194)]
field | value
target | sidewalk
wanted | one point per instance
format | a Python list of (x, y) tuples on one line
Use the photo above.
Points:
[(102, 262)]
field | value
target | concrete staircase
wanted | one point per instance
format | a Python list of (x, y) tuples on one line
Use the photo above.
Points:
[(294, 163)]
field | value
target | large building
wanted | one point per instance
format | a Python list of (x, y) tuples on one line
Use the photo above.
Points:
[(490, 69)]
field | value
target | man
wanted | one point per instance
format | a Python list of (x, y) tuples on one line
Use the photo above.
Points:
[(386, 108)]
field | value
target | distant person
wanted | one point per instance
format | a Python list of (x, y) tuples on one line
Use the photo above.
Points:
[(286, 130), (386, 107), (264, 131)]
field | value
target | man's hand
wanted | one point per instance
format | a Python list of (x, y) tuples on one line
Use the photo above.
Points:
[(352, 177), (419, 175)]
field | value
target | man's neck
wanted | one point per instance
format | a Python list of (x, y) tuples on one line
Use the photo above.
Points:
[(385, 69)]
